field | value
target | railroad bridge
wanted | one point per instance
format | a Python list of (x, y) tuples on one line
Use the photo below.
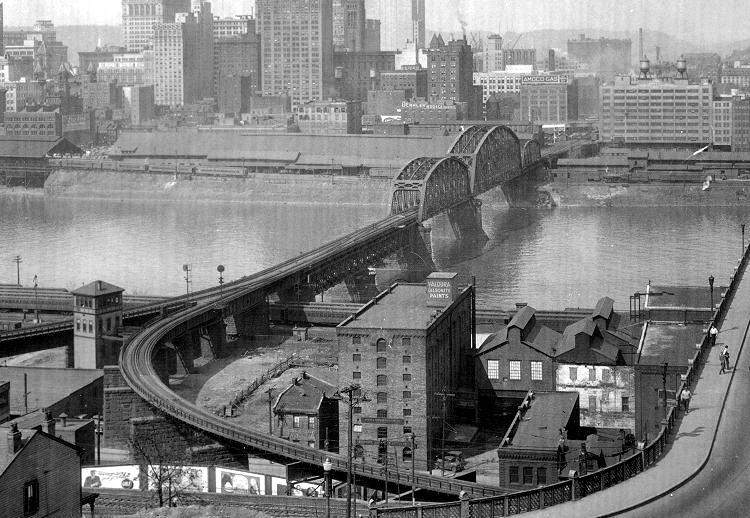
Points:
[(480, 159), (137, 393)]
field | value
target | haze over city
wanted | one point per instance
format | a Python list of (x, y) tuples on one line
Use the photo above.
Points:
[(702, 22)]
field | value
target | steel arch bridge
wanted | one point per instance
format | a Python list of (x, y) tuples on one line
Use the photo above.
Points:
[(531, 153), (492, 154), (431, 185)]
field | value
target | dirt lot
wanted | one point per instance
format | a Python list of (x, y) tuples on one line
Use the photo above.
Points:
[(216, 382)]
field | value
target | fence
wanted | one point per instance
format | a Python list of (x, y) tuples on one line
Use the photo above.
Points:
[(275, 371), (579, 487)]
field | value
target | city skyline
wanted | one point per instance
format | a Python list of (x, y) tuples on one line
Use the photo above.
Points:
[(694, 20)]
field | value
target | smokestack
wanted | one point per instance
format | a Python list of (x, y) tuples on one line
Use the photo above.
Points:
[(640, 43), (372, 79), (658, 54), (552, 64)]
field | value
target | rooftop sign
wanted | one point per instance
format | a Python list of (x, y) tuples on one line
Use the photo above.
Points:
[(544, 80)]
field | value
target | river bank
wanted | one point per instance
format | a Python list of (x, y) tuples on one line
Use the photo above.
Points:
[(600, 194), (346, 190), (260, 188)]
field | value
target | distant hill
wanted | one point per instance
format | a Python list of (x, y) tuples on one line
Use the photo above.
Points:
[(81, 38), (671, 47)]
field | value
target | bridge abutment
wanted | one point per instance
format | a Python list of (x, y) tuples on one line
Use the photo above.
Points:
[(522, 191)]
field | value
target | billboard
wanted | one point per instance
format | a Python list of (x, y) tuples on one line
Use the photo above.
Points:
[(544, 80), (183, 478), (239, 482), (111, 477)]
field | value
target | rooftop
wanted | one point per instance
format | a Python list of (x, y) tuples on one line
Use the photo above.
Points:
[(668, 342), (97, 288), (46, 386), (540, 425), (682, 296), (304, 395), (405, 306), (25, 147)]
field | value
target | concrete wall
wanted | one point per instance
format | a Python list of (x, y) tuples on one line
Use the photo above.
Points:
[(604, 387)]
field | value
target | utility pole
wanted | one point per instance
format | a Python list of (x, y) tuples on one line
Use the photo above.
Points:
[(444, 395), (413, 478), (349, 390), (664, 368), (270, 411), (17, 259), (187, 268)]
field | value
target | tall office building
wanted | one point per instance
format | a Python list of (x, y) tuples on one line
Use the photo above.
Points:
[(183, 59), (402, 23), (492, 58), (140, 16), (238, 25), (204, 18), (451, 70), (349, 25), (2, 30), (296, 48)]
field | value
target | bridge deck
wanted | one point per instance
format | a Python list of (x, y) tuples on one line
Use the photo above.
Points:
[(141, 376)]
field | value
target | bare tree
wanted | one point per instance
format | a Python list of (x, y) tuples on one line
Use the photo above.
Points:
[(166, 468)]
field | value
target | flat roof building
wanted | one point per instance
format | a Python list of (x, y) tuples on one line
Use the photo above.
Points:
[(405, 348), (303, 70), (550, 99), (656, 112), (140, 16)]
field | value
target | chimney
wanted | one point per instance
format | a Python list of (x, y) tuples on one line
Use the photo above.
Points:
[(64, 419), (48, 425), (99, 285), (14, 439)]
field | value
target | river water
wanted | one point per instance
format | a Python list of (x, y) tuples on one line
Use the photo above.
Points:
[(549, 258)]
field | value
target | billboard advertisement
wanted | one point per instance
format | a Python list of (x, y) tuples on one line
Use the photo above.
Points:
[(239, 482), (182, 478), (111, 477)]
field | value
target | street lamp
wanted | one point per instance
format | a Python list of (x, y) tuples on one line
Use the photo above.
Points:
[(327, 464), (220, 269), (711, 289)]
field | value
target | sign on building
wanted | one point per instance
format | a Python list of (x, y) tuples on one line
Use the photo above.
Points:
[(111, 477)]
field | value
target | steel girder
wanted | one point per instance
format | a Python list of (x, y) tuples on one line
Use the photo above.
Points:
[(356, 260), (531, 153), (468, 141), (498, 159), (433, 185)]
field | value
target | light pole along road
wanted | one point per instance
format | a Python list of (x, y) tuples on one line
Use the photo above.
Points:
[(721, 488)]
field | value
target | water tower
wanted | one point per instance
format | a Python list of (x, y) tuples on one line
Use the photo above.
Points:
[(682, 67), (645, 66)]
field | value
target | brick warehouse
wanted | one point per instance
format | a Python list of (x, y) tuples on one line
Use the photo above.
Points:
[(424, 349)]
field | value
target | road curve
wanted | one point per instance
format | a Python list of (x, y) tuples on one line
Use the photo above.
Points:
[(139, 373)]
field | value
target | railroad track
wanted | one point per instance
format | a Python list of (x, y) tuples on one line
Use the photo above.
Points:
[(139, 372)]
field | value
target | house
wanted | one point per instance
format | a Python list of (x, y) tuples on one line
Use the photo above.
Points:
[(40, 475), (544, 442), (594, 359), (307, 412), (517, 358)]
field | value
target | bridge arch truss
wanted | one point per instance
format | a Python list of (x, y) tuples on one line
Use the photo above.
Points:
[(531, 153), (492, 154), (431, 185)]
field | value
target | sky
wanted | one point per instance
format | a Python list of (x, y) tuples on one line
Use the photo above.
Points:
[(701, 20)]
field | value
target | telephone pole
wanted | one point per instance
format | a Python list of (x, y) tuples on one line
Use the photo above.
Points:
[(349, 391), (270, 411), (444, 395), (17, 259), (413, 478)]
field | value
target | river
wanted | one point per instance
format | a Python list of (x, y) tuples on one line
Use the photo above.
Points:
[(549, 258)]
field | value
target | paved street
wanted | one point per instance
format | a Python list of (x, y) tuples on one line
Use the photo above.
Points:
[(720, 488)]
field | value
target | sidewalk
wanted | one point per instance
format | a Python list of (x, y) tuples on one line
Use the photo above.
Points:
[(690, 447)]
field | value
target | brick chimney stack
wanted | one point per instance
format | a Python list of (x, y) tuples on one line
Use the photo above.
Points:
[(48, 426), (14, 439)]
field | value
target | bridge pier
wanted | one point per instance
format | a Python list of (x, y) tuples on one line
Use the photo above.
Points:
[(254, 321), (212, 339), (466, 220), (361, 287), (165, 361), (522, 191)]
